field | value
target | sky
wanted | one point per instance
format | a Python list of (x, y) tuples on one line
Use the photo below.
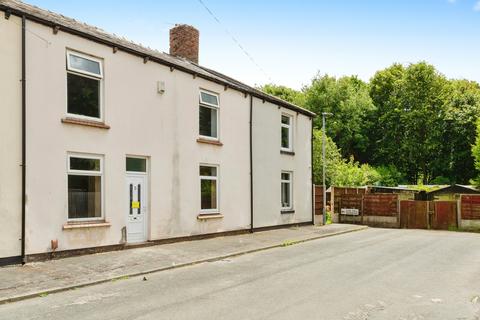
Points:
[(288, 42)]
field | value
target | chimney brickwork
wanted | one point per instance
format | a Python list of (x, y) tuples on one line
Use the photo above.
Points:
[(184, 42)]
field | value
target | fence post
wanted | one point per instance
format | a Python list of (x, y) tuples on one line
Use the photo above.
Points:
[(361, 208), (398, 212), (459, 212)]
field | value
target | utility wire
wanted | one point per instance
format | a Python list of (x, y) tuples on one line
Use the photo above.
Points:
[(234, 39)]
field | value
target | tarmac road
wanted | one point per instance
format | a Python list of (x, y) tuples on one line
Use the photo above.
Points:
[(370, 274)]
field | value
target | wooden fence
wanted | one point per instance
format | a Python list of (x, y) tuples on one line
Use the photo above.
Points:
[(318, 200), (372, 209), (387, 210)]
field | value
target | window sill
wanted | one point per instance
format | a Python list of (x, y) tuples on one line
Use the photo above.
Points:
[(290, 153), (207, 141), (88, 123), (86, 224), (287, 211), (208, 216)]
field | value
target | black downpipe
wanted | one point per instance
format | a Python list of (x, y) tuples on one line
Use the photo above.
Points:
[(24, 104), (251, 164), (311, 173)]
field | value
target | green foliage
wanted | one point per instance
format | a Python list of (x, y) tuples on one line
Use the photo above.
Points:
[(354, 174), (390, 176), (328, 219), (410, 124), (332, 156), (349, 101), (441, 180), (285, 93), (476, 154)]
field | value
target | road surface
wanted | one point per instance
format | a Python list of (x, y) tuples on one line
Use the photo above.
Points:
[(370, 274)]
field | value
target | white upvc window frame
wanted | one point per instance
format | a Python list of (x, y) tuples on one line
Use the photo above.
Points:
[(85, 74), (214, 178), (99, 173), (290, 189), (87, 57), (205, 104), (288, 126)]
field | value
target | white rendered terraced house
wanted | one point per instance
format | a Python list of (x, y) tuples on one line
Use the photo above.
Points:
[(106, 143)]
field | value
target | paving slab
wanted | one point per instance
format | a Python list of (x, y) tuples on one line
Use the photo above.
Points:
[(39, 278)]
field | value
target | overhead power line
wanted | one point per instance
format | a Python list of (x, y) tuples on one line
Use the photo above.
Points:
[(234, 39)]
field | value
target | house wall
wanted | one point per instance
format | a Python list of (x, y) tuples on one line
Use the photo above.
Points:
[(10, 136), (163, 128), (268, 163)]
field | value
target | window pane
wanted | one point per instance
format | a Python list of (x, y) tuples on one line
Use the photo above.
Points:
[(285, 176), (209, 98), (208, 194), (208, 171), (84, 197), (285, 120), (84, 64), (136, 165), (285, 138), (285, 195), (84, 164), (208, 122), (83, 96)]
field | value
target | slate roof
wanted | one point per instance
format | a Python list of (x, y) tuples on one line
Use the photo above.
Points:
[(98, 35)]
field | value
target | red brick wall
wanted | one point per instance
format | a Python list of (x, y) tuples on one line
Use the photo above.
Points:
[(184, 42)]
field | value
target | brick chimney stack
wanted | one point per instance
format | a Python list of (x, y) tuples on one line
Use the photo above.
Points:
[(184, 42)]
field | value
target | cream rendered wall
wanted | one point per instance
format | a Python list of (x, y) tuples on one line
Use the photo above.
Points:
[(163, 128), (10, 136), (268, 164)]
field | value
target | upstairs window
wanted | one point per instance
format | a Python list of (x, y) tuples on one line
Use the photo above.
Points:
[(208, 115), (84, 77), (286, 133)]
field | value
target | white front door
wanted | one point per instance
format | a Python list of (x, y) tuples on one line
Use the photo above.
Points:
[(137, 207)]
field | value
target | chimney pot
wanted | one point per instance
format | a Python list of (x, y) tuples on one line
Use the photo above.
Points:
[(184, 42)]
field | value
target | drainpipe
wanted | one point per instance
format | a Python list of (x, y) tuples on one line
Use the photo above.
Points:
[(23, 141), (311, 172), (251, 164)]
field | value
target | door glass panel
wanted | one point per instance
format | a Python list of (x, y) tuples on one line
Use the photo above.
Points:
[(131, 198), (136, 165)]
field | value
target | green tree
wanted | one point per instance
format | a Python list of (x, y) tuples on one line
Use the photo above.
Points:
[(461, 111), (285, 93), (348, 99), (476, 154), (390, 176), (332, 156), (353, 174), (410, 118)]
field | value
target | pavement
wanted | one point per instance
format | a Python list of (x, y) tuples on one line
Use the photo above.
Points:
[(42, 278), (369, 275)]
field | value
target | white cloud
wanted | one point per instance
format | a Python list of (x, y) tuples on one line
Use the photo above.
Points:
[(476, 7)]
